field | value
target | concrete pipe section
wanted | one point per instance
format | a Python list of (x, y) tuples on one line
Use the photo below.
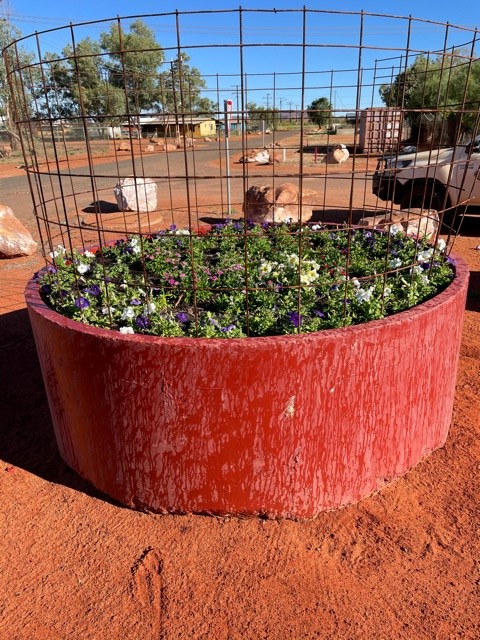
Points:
[(283, 426)]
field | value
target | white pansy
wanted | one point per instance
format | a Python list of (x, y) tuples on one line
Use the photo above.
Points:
[(128, 313), (149, 307), (416, 270), (316, 227), (89, 254), (292, 260), (58, 251), (395, 263), (124, 286), (364, 295), (307, 277), (108, 310), (126, 330), (265, 269), (424, 279), (182, 232), (309, 271), (355, 282), (425, 255), (441, 244), (135, 245), (387, 291), (83, 268)]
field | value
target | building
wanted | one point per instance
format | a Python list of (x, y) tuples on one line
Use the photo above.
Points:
[(168, 126)]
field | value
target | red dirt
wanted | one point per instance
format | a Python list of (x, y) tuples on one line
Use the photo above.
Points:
[(401, 564)]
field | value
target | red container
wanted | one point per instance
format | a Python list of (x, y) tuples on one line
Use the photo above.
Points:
[(283, 426)]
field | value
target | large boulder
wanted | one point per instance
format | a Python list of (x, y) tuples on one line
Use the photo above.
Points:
[(15, 239), (261, 156), (420, 223), (282, 204), (136, 194), (5, 150), (337, 155), (168, 146), (257, 156), (414, 222)]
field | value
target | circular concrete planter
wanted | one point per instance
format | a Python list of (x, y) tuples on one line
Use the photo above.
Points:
[(284, 426)]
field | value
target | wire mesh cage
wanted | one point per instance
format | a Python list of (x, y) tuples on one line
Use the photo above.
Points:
[(246, 172)]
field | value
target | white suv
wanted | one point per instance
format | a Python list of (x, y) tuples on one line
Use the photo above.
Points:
[(436, 179)]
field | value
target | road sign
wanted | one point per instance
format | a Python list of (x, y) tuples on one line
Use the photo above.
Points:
[(228, 104)]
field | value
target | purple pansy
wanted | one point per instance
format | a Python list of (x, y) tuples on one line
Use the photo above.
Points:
[(295, 318), (93, 290), (142, 322), (81, 302)]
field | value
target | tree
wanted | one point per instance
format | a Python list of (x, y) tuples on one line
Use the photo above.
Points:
[(181, 87), (16, 93), (120, 75), (79, 82), (258, 114), (444, 90), (133, 65), (320, 111)]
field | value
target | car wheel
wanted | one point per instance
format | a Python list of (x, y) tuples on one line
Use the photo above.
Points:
[(420, 197)]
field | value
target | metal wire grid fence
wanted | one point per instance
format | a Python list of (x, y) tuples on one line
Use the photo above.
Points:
[(237, 152)]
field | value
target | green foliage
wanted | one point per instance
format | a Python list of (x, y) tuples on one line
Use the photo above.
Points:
[(133, 61), (121, 73), (258, 114), (181, 86), (446, 85), (245, 279), (82, 81), (320, 112), (15, 96)]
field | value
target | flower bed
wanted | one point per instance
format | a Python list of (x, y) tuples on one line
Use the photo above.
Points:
[(280, 425), (242, 280)]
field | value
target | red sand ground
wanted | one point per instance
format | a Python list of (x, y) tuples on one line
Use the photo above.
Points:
[(402, 564)]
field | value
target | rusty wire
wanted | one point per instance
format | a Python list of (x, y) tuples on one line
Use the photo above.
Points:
[(199, 184)]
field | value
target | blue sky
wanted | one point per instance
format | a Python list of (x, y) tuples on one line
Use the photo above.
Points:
[(30, 16), (271, 72)]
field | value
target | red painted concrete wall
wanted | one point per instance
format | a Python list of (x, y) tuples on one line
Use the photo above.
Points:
[(282, 426)]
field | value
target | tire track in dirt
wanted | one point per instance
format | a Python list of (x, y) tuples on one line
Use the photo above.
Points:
[(146, 586)]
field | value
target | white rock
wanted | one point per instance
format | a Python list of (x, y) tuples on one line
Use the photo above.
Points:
[(136, 194), (259, 156)]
